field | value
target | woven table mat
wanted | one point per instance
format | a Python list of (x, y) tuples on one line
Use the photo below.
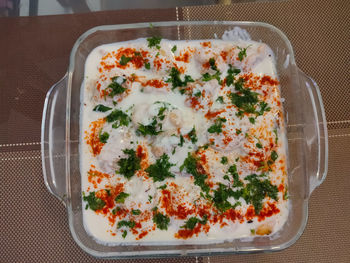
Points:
[(35, 54)]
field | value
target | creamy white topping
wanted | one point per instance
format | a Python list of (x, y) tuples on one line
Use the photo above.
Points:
[(182, 144)]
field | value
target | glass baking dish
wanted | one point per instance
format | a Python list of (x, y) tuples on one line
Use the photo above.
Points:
[(306, 131)]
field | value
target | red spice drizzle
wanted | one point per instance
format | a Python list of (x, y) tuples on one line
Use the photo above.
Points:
[(156, 83), (95, 177), (267, 80), (184, 57), (174, 207), (93, 139), (213, 114)]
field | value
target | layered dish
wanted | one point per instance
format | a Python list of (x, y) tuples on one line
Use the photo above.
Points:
[(182, 141)]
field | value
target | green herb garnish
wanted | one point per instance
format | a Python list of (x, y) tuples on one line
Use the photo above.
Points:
[(175, 79), (236, 181), (115, 210), (190, 165), (162, 221), (276, 136), (93, 202), (256, 190), (242, 53), (119, 118), (285, 195), (263, 107), (136, 212), (161, 169), (182, 140), (231, 72), (101, 108), (130, 224), (212, 64), (252, 120), (162, 187), (154, 128), (192, 135), (148, 65), (220, 99), (103, 137), (192, 222), (246, 100), (208, 77), (120, 199), (154, 42), (198, 94), (220, 198), (150, 129), (124, 60), (274, 156), (224, 160), (124, 233), (174, 49), (217, 126), (116, 87), (259, 145), (128, 166)]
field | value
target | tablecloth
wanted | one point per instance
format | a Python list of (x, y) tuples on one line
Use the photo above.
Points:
[(34, 56)]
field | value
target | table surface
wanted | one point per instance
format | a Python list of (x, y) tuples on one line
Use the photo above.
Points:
[(35, 52)]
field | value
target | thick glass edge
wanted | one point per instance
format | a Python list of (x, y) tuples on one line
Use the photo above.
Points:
[(165, 253), (175, 23), (325, 133), (191, 252)]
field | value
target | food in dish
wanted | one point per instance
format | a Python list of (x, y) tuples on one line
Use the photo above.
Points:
[(182, 141)]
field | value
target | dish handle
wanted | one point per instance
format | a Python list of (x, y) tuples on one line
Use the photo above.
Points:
[(53, 140), (315, 130)]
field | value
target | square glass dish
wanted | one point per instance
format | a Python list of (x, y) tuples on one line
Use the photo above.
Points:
[(306, 131)]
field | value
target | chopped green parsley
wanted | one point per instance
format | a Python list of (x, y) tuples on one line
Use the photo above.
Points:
[(119, 118), (128, 166), (224, 160), (231, 72), (220, 99), (175, 80), (116, 87), (217, 126), (161, 169), (103, 137), (192, 222), (154, 42), (124, 60), (242, 53), (93, 202), (190, 165), (136, 212), (192, 135), (162, 221), (122, 223), (120, 199), (101, 108)]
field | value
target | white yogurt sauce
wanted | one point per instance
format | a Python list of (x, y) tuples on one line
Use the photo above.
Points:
[(241, 141)]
